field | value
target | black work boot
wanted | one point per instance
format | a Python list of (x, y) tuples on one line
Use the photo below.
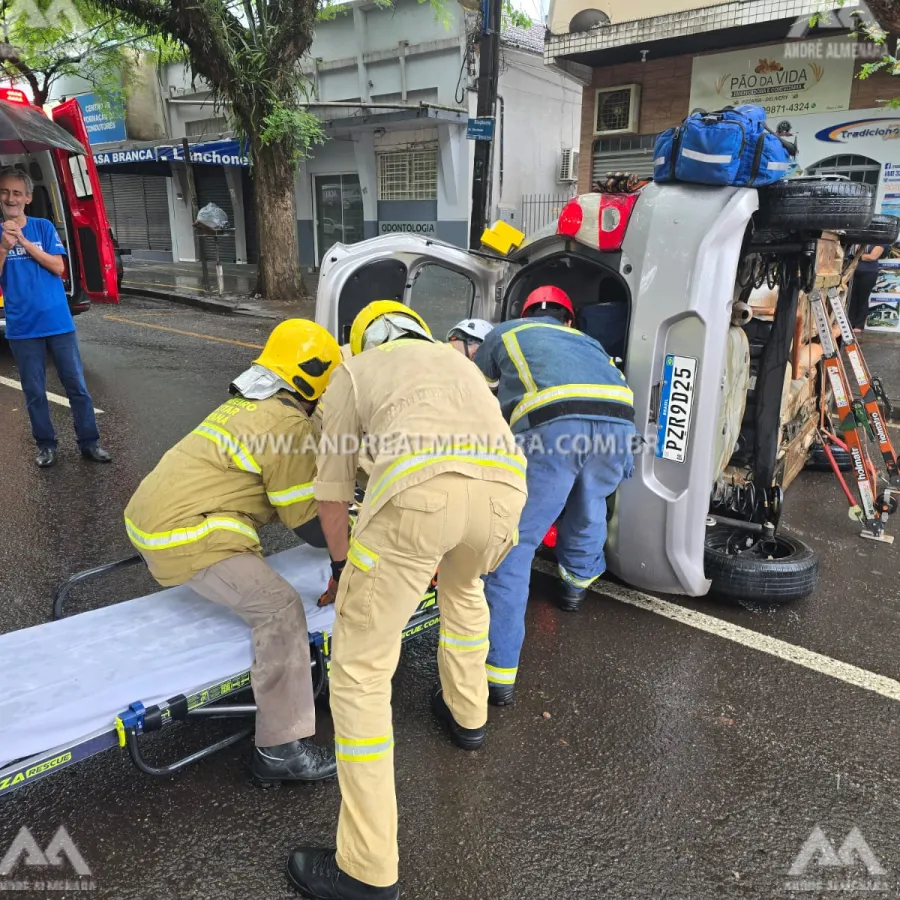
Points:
[(467, 738), (295, 761), (314, 872), (46, 457), (501, 694), (570, 597)]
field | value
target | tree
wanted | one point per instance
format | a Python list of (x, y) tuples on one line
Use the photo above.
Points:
[(249, 52), (44, 41), (885, 20)]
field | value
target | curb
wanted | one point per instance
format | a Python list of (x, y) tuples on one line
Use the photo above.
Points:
[(237, 307)]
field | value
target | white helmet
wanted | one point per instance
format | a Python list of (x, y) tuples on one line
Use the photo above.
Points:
[(471, 329)]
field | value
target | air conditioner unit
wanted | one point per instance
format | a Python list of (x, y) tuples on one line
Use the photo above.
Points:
[(616, 110), (568, 165)]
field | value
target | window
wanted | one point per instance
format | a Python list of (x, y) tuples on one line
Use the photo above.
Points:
[(442, 297), (201, 127), (856, 168), (408, 175)]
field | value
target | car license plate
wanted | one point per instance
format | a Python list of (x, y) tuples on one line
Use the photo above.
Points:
[(676, 400)]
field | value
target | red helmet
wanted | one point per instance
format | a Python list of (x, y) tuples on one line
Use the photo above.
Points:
[(549, 294)]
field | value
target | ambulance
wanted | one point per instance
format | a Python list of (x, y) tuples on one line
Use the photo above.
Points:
[(54, 149)]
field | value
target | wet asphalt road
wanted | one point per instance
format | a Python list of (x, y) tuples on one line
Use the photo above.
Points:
[(674, 764)]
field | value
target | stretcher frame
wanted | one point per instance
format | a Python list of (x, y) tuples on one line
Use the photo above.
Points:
[(125, 731)]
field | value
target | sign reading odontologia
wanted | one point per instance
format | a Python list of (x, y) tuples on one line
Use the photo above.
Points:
[(428, 229), (211, 153), (104, 122)]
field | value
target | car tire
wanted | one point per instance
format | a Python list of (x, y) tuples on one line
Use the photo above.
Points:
[(791, 573), (881, 230), (803, 204), (818, 460)]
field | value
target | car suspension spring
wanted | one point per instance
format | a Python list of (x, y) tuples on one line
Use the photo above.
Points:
[(735, 500)]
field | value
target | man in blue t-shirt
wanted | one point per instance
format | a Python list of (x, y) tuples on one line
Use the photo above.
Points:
[(38, 319)]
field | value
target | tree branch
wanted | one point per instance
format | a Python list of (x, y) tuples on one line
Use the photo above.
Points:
[(12, 56)]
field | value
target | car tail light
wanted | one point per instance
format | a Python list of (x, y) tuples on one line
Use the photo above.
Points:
[(550, 537), (598, 220)]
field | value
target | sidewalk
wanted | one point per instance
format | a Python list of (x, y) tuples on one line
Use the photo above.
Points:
[(182, 282)]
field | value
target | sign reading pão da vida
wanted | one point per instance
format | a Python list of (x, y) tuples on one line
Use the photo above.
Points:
[(780, 78), (427, 229)]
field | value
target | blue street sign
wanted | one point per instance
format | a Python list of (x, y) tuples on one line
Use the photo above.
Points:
[(480, 129), (104, 123)]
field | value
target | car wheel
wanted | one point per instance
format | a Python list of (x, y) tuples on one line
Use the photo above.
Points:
[(815, 204), (881, 230), (773, 571), (818, 459)]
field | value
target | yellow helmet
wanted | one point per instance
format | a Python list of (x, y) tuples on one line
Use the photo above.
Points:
[(376, 310), (303, 354)]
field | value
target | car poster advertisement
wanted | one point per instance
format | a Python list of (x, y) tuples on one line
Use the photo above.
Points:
[(884, 301), (791, 79), (890, 181)]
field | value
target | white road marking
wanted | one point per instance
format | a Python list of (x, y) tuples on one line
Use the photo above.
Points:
[(56, 398), (825, 665)]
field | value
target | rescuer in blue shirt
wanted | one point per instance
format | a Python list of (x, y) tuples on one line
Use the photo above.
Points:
[(573, 415), (38, 319)]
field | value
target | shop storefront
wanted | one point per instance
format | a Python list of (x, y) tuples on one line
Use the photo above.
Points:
[(146, 195)]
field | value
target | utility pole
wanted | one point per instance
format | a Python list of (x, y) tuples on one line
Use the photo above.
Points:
[(195, 208), (488, 75)]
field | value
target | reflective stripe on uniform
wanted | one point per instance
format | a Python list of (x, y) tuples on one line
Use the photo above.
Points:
[(501, 676), (463, 643), (469, 453), (363, 749), (576, 582), (299, 493), (511, 342), (361, 556), (611, 392), (242, 457), (178, 537)]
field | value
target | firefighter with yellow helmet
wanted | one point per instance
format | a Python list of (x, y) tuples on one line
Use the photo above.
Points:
[(446, 490), (195, 517)]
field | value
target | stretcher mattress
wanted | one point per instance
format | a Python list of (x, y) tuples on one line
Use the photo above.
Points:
[(66, 679)]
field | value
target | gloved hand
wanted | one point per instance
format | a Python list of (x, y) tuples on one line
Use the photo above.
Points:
[(330, 594)]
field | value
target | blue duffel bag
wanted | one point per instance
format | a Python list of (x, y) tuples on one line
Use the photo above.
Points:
[(729, 146)]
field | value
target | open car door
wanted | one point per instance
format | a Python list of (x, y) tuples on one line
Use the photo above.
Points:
[(91, 236), (442, 282)]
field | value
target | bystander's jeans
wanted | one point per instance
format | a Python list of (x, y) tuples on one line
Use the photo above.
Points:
[(31, 359), (572, 463)]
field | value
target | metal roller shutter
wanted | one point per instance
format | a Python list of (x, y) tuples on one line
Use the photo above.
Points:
[(640, 162), (212, 187), (137, 207)]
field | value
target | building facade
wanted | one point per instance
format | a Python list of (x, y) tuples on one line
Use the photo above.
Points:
[(647, 74), (394, 87)]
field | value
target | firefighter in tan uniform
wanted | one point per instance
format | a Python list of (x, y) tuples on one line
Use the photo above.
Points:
[(446, 490), (195, 517)]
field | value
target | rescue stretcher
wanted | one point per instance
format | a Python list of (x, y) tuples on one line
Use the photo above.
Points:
[(86, 683)]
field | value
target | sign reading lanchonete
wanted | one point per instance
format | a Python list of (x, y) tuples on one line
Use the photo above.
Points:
[(428, 229), (211, 153)]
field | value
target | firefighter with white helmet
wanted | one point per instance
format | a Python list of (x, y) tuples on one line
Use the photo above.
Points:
[(446, 490), (467, 335), (195, 517)]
